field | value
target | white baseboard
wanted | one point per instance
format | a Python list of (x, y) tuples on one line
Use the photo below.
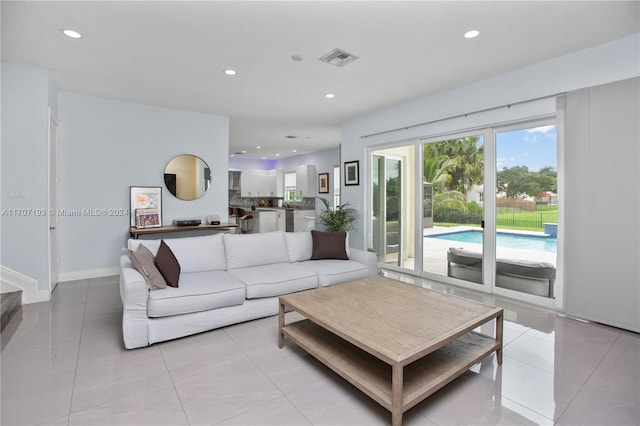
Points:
[(87, 274), (29, 286)]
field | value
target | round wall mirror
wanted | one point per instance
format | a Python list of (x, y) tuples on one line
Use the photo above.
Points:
[(187, 177)]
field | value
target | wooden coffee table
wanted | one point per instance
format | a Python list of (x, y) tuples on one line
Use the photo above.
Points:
[(397, 343)]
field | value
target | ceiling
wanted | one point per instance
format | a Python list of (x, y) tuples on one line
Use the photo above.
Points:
[(172, 54)]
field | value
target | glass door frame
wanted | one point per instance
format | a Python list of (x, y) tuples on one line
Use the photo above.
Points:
[(558, 301), (368, 226), (488, 244)]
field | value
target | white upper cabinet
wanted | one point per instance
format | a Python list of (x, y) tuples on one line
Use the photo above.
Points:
[(306, 180), (262, 183), (248, 183)]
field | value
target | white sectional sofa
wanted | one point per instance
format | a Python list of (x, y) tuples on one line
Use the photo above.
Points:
[(226, 279)]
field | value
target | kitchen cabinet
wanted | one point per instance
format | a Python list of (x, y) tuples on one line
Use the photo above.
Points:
[(249, 183), (282, 220), (262, 183), (267, 221), (306, 180), (304, 220), (279, 182)]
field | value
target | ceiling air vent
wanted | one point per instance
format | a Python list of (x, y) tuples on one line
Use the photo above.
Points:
[(338, 57)]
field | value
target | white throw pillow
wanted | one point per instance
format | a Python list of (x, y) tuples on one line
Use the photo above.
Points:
[(299, 245), (199, 254)]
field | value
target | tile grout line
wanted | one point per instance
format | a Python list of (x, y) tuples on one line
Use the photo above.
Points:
[(282, 393), (75, 370), (184, 412), (582, 387)]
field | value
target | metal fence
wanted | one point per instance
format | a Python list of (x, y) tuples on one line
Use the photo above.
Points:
[(505, 218), (526, 220)]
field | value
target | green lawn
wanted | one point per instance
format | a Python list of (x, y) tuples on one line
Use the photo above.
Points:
[(511, 218)]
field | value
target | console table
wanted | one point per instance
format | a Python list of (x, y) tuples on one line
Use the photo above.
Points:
[(136, 232)]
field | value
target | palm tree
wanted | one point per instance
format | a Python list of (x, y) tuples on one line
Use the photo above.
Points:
[(453, 199), (436, 168), (467, 158)]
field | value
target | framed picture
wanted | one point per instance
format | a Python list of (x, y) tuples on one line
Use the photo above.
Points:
[(323, 183), (147, 218), (146, 197), (352, 173)]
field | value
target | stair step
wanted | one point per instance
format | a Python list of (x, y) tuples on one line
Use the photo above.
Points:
[(10, 313)]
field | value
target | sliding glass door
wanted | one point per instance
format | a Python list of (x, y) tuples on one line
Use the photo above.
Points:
[(527, 209), (452, 234), (476, 209), (392, 200)]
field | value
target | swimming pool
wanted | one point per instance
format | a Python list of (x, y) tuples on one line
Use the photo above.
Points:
[(503, 239)]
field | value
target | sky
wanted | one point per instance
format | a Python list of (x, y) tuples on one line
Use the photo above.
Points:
[(534, 148)]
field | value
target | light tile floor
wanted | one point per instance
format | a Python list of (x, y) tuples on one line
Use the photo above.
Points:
[(66, 365)]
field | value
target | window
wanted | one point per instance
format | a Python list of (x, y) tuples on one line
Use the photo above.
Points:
[(290, 187)]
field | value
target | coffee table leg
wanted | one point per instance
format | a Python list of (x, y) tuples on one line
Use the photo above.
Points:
[(396, 395), (499, 338), (280, 325)]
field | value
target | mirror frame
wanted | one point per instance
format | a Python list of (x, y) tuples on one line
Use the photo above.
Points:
[(192, 193)]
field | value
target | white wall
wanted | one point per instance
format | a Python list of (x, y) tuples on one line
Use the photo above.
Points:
[(601, 64), (324, 162), (106, 146), (26, 96)]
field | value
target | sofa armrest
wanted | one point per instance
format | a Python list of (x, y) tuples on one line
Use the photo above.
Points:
[(134, 294), (366, 258)]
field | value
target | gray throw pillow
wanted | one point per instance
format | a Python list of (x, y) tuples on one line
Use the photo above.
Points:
[(143, 260), (329, 245), (168, 265)]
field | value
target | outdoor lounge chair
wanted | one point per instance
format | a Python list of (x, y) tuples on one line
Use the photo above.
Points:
[(521, 275)]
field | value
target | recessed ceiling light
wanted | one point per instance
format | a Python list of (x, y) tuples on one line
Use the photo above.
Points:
[(232, 155), (244, 151), (472, 34), (230, 72), (329, 95), (277, 155), (258, 147), (294, 150), (72, 34)]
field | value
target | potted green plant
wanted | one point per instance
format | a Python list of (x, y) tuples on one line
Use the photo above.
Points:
[(339, 219)]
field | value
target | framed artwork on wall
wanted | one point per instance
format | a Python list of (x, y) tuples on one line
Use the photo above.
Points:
[(323, 183), (145, 206), (352, 173)]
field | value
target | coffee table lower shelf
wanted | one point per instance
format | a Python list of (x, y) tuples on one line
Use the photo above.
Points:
[(374, 376)]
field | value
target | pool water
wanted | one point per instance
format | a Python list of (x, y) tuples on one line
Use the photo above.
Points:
[(503, 239)]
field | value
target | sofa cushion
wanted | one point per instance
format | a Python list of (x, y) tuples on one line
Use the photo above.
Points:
[(143, 260), (526, 268), (198, 291), (168, 265), (464, 257), (275, 280), (334, 271), (329, 245), (199, 254), (299, 245), (247, 250)]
